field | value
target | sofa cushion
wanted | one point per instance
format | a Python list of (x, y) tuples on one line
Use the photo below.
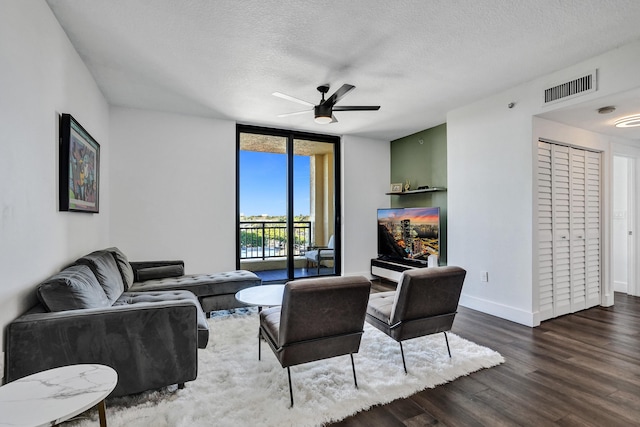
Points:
[(159, 272), (203, 285), (103, 264), (75, 287), (380, 305), (126, 272)]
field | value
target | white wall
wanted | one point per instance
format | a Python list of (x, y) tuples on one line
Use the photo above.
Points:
[(489, 205), (41, 76), (366, 168), (173, 188), (491, 152)]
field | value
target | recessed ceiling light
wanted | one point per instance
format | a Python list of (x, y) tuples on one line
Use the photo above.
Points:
[(628, 122), (606, 110)]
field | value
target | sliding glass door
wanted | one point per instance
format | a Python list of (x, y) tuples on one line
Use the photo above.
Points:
[(287, 193)]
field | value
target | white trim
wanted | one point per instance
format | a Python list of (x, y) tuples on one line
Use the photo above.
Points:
[(633, 284), (619, 286), (504, 311), (633, 155)]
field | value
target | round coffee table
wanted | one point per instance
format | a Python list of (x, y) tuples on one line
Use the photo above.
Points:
[(262, 296), (56, 395)]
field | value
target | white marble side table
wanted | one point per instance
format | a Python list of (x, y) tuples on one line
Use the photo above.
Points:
[(262, 296), (56, 395)]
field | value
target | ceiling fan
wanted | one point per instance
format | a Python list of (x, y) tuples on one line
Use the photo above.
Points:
[(323, 112)]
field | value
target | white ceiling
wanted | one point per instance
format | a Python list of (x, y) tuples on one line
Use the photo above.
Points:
[(586, 116), (418, 59)]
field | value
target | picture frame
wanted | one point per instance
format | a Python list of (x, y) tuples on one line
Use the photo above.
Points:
[(396, 187), (79, 163)]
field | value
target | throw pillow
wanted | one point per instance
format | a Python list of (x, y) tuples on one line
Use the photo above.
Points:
[(104, 266), (123, 265), (73, 288), (160, 272)]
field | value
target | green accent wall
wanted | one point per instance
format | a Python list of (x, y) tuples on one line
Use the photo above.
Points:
[(421, 158)]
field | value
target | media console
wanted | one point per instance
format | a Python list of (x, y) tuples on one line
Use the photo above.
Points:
[(391, 270)]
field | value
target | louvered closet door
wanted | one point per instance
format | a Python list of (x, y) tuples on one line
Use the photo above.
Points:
[(578, 229), (545, 232), (561, 229), (593, 228), (568, 229)]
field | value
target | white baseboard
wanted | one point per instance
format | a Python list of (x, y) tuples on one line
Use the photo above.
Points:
[(366, 274), (619, 286), (513, 314)]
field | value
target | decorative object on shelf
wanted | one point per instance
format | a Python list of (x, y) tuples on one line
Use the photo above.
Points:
[(396, 188), (418, 191), (407, 185), (79, 184), (424, 187)]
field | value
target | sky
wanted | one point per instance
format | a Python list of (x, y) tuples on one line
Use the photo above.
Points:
[(263, 184)]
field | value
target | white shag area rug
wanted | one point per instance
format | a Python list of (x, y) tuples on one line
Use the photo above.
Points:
[(234, 388)]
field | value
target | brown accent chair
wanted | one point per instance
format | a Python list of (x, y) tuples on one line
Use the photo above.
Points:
[(319, 318), (425, 302)]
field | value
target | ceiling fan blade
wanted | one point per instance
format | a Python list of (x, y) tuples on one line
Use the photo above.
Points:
[(293, 114), (291, 98), (338, 95), (357, 108)]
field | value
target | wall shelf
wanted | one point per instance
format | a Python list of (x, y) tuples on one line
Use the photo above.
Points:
[(424, 190)]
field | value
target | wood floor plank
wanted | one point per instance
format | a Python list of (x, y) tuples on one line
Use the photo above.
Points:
[(581, 401), (581, 369), (406, 410), (527, 396), (470, 410), (378, 416), (515, 410)]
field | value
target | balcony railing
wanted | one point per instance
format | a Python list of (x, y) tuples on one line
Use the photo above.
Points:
[(268, 239)]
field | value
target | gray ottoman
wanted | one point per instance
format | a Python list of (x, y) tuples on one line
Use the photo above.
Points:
[(215, 291)]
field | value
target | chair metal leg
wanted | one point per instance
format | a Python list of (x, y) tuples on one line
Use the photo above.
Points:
[(259, 339), (353, 366), (290, 389), (447, 340), (402, 353)]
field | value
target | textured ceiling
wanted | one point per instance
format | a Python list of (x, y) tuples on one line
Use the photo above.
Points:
[(417, 59)]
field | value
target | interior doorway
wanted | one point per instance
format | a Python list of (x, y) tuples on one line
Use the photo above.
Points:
[(623, 227)]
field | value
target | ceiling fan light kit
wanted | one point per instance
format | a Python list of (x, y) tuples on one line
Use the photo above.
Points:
[(323, 112), (629, 121)]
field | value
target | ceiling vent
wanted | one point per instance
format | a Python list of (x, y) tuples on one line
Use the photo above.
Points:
[(576, 87)]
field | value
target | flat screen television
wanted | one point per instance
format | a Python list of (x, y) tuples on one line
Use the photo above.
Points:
[(408, 233)]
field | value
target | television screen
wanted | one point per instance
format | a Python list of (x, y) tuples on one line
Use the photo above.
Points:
[(408, 233)]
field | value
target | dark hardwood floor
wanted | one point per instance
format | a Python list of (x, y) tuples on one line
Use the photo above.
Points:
[(581, 369)]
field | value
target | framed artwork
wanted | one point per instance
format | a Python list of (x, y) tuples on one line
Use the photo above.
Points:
[(396, 188), (79, 186)]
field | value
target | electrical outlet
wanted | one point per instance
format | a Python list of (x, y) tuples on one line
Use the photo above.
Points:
[(484, 276)]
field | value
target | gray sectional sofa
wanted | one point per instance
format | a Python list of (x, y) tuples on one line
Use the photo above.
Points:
[(142, 319)]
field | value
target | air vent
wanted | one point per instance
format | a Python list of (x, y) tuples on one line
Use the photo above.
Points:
[(576, 87)]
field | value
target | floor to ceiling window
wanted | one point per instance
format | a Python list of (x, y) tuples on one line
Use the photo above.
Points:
[(287, 197)]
